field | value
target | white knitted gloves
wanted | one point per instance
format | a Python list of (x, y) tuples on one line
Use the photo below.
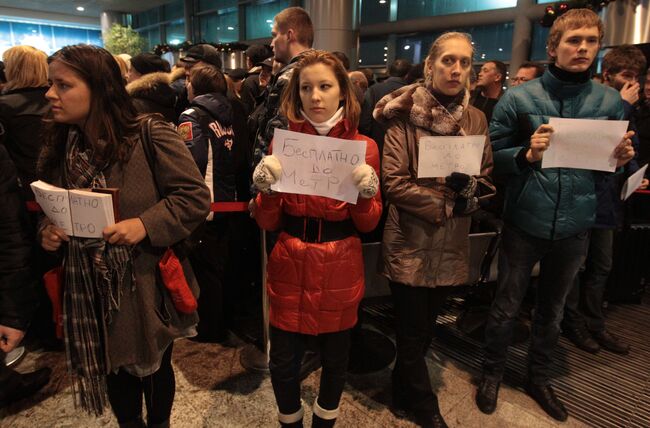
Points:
[(266, 173), (366, 180)]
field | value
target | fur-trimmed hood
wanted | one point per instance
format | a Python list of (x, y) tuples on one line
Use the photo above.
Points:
[(148, 83), (177, 73), (416, 104)]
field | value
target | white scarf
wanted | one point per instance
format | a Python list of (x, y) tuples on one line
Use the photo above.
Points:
[(323, 128)]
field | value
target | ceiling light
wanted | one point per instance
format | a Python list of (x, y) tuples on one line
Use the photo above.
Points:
[(80, 8), (500, 49), (382, 1), (231, 28), (407, 47)]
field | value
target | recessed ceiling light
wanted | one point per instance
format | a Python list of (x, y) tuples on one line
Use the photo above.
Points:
[(80, 8)]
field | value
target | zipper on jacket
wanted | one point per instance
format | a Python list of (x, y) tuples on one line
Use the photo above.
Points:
[(559, 185)]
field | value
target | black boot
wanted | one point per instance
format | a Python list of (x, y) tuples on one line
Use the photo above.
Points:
[(611, 342), (581, 338), (487, 395), (546, 398), (164, 424), (434, 420), (293, 420), (323, 418), (138, 423), (17, 386)]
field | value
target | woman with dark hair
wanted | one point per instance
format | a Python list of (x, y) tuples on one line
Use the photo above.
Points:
[(425, 248), (119, 321), (315, 274)]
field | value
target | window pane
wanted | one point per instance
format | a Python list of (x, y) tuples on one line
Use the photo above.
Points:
[(373, 51), (373, 11), (538, 43), (216, 4), (175, 32), (174, 10), (259, 17), (48, 38), (148, 17), (491, 42), (151, 38), (407, 9), (216, 28)]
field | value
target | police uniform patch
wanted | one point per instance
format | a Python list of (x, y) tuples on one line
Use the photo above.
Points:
[(185, 131)]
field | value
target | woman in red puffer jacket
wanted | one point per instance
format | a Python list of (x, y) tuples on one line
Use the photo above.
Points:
[(315, 274)]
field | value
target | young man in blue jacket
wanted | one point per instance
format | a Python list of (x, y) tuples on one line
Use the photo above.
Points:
[(547, 212)]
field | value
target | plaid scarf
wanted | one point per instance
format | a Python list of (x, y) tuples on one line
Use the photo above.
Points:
[(94, 280)]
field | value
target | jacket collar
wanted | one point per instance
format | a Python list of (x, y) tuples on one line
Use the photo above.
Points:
[(562, 89), (343, 129), (417, 105)]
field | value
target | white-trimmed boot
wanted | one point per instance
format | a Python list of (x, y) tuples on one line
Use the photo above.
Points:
[(323, 418), (293, 420)]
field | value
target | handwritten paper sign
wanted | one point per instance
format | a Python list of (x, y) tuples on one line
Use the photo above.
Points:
[(633, 182), (316, 165), (78, 212), (584, 143), (440, 156)]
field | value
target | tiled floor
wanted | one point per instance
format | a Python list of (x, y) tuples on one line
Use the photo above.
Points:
[(214, 390)]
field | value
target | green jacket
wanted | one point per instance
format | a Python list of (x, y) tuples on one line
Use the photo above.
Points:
[(551, 203)]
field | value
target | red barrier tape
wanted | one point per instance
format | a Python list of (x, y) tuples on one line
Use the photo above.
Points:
[(644, 192), (215, 207)]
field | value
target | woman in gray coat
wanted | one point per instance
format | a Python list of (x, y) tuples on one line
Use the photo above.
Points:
[(119, 321)]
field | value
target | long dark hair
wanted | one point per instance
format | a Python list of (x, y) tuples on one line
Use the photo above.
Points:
[(112, 111)]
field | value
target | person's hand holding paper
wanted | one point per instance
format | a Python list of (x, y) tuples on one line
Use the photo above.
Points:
[(583, 144), (539, 142)]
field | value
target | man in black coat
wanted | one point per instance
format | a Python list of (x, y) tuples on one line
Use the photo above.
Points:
[(17, 285), (367, 124)]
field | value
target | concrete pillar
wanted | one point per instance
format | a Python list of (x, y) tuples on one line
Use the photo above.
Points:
[(336, 26), (626, 22), (106, 20), (188, 14), (521, 35)]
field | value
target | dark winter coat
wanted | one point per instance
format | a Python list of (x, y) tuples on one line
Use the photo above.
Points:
[(367, 124), (152, 94), (550, 203), (147, 321), (21, 120), (18, 295)]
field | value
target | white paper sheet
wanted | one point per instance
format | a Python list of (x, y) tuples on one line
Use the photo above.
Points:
[(317, 165), (440, 156), (584, 143), (55, 204), (78, 212), (633, 182)]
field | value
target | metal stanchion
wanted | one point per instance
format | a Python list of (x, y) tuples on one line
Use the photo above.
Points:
[(252, 358)]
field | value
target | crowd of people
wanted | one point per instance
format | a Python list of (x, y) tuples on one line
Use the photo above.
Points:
[(179, 141)]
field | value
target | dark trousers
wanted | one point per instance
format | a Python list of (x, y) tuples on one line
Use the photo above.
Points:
[(560, 261), (416, 310), (209, 260), (125, 393), (584, 304), (287, 349)]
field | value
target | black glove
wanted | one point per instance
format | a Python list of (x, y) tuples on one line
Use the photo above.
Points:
[(463, 184), (464, 205)]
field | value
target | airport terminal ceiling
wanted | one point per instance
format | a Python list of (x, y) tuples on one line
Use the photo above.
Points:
[(91, 8)]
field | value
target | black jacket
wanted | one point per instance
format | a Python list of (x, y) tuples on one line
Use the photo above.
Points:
[(152, 94), (214, 125), (367, 124), (18, 295), (21, 118)]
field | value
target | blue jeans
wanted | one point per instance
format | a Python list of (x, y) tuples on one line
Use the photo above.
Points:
[(584, 304), (560, 261)]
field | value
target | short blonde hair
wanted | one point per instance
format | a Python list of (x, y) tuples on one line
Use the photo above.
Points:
[(25, 67), (573, 20), (124, 66), (290, 105)]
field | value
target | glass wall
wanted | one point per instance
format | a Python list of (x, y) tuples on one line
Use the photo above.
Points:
[(538, 43), (259, 17), (175, 32), (491, 42), (48, 38), (373, 51), (220, 27), (374, 11), (408, 9)]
